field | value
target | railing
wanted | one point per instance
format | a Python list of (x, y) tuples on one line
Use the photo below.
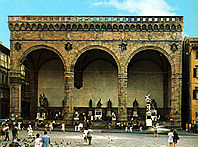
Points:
[(132, 19)]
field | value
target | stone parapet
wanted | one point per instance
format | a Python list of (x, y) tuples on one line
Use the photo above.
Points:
[(96, 23)]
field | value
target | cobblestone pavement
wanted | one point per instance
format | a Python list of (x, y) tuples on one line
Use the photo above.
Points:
[(74, 139)]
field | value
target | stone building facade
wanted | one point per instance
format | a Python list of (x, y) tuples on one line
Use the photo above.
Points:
[(4, 81), (73, 59), (190, 73)]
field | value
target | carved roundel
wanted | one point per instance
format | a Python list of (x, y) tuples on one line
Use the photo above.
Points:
[(174, 47), (17, 46), (68, 46)]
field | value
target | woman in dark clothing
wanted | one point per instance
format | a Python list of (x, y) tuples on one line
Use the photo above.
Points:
[(14, 132), (175, 137)]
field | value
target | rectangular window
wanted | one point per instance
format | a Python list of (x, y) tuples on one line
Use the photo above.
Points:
[(195, 94), (196, 54), (195, 72)]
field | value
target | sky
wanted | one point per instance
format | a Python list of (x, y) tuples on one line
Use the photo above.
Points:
[(186, 8)]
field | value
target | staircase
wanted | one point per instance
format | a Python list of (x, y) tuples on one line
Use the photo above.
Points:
[(100, 124)]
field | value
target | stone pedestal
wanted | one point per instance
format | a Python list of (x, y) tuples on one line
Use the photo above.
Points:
[(148, 119), (154, 115), (135, 113), (108, 113), (68, 117), (90, 113), (98, 114)]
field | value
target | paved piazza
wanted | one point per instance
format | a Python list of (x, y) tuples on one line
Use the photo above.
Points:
[(74, 139)]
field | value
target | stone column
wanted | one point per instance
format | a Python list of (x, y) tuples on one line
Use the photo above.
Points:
[(15, 94), (33, 94), (176, 86), (69, 87), (122, 96)]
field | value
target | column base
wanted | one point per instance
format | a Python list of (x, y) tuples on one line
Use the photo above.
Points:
[(68, 118), (15, 116), (177, 124), (122, 118)]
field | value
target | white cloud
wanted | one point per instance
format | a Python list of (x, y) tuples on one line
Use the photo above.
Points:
[(140, 7)]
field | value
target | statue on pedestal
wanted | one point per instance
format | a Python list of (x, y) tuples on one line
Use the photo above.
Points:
[(135, 104), (153, 104), (76, 115), (109, 103), (151, 112), (63, 103), (99, 104), (135, 108), (148, 102), (44, 104), (45, 101), (90, 103), (113, 116), (41, 101)]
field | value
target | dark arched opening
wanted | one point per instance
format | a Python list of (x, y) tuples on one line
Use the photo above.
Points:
[(42, 73), (149, 72), (95, 78)]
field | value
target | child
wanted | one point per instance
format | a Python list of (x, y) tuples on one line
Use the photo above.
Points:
[(38, 142)]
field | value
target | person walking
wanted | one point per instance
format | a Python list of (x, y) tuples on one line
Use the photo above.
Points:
[(7, 132), (89, 135), (30, 131), (85, 132), (3, 130), (63, 127), (155, 130), (175, 137), (51, 127), (38, 142), (46, 140), (109, 126), (14, 132), (170, 138)]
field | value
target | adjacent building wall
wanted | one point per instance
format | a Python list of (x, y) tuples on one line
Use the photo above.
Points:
[(4, 81), (192, 44)]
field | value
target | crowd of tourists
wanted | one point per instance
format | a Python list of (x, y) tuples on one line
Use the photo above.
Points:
[(39, 141), (85, 128)]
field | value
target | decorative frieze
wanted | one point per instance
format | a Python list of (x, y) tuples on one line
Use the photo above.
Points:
[(115, 24)]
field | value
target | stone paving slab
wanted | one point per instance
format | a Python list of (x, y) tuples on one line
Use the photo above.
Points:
[(75, 139)]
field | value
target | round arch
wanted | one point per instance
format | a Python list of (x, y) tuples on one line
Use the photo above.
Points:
[(151, 48), (94, 47), (37, 47)]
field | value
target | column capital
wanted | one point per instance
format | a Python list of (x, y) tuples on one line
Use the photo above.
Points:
[(15, 77), (68, 74)]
